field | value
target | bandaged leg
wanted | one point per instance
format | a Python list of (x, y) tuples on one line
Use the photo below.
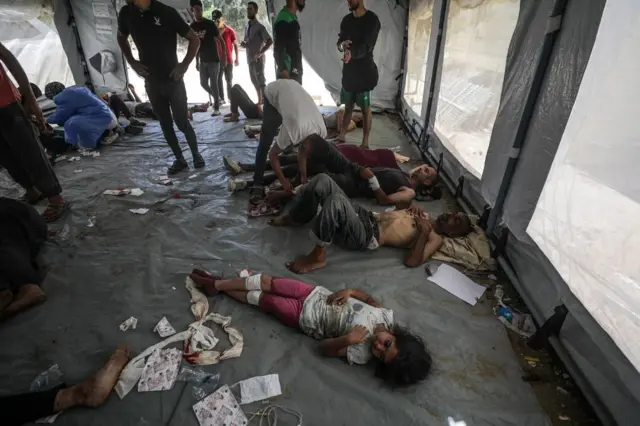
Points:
[(253, 297)]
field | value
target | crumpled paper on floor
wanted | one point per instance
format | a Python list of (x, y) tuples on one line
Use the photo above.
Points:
[(129, 323), (198, 349), (257, 388), (220, 409), (139, 211), (161, 370), (136, 192), (164, 328)]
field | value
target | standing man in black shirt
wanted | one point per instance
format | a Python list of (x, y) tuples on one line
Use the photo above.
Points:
[(154, 28), (286, 46), (358, 36), (207, 61)]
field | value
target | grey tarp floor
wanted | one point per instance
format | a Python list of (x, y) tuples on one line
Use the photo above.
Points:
[(135, 265)]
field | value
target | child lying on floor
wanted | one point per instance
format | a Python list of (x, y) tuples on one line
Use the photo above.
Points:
[(350, 323)]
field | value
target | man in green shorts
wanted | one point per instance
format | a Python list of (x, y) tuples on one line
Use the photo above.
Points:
[(286, 46), (358, 36)]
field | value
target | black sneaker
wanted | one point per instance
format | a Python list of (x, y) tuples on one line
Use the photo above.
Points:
[(137, 123), (198, 161), (177, 166)]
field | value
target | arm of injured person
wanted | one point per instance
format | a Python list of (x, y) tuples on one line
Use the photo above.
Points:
[(427, 243)]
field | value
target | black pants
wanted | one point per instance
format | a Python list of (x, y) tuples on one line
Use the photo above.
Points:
[(209, 75), (226, 75), (17, 410), (119, 107), (22, 233), (169, 102), (271, 122), (21, 152), (351, 225), (240, 100)]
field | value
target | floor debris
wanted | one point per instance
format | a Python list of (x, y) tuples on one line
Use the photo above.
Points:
[(164, 328), (257, 388), (129, 323), (161, 370), (220, 408), (139, 211)]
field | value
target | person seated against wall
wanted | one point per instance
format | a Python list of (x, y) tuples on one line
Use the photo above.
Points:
[(356, 228), (22, 233), (86, 119), (388, 186), (240, 101), (26, 408), (349, 323)]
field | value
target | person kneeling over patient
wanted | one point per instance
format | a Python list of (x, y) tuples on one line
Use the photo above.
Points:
[(86, 119), (349, 323), (356, 228)]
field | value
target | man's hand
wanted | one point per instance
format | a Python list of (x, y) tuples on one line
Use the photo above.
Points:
[(358, 334), (243, 43), (237, 62), (30, 105), (286, 186), (178, 71), (416, 211), (284, 74), (339, 297), (345, 45), (198, 66), (256, 57), (346, 58), (424, 225), (140, 69)]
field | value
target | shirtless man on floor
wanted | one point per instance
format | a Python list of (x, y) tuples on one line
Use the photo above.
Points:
[(356, 228)]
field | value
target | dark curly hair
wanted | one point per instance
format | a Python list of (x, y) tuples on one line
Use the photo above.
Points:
[(411, 365)]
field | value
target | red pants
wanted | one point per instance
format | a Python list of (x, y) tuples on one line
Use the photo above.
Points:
[(286, 299)]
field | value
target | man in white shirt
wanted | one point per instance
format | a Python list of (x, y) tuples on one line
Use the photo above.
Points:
[(289, 107), (349, 323)]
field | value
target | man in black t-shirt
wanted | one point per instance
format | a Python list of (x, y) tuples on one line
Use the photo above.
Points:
[(358, 36), (154, 28), (208, 60)]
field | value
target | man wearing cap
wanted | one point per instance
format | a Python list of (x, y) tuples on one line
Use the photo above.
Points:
[(286, 47), (154, 28)]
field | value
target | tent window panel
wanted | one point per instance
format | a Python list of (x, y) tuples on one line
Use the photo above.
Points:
[(587, 219), (477, 40), (420, 19)]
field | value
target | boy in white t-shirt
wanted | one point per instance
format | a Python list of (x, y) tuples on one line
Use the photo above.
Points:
[(288, 107), (349, 323)]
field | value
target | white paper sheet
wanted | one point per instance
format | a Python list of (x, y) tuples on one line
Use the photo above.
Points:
[(259, 388), (220, 409), (164, 328), (130, 322), (457, 284), (161, 370)]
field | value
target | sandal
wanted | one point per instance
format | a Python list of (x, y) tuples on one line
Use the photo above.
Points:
[(54, 212)]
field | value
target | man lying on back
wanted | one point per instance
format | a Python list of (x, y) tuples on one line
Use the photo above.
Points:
[(356, 228)]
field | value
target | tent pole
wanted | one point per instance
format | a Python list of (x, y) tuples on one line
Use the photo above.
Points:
[(83, 59), (554, 24)]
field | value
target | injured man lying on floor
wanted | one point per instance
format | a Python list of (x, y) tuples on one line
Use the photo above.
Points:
[(22, 233), (348, 166), (352, 226), (349, 323)]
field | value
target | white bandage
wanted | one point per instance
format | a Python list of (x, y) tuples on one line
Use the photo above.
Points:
[(253, 282), (253, 297), (374, 184)]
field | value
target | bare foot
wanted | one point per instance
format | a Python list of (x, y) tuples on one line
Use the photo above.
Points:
[(306, 264), (284, 220), (29, 295), (94, 391)]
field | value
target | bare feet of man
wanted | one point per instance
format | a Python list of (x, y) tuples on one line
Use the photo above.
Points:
[(28, 296), (304, 264), (94, 391)]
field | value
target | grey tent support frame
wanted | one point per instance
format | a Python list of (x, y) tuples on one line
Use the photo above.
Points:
[(601, 410), (554, 24), (72, 22)]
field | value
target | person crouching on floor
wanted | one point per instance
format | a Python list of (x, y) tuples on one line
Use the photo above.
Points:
[(22, 233), (357, 228), (86, 119), (349, 323)]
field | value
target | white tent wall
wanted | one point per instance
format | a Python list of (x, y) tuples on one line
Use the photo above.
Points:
[(27, 30), (609, 380), (320, 25)]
